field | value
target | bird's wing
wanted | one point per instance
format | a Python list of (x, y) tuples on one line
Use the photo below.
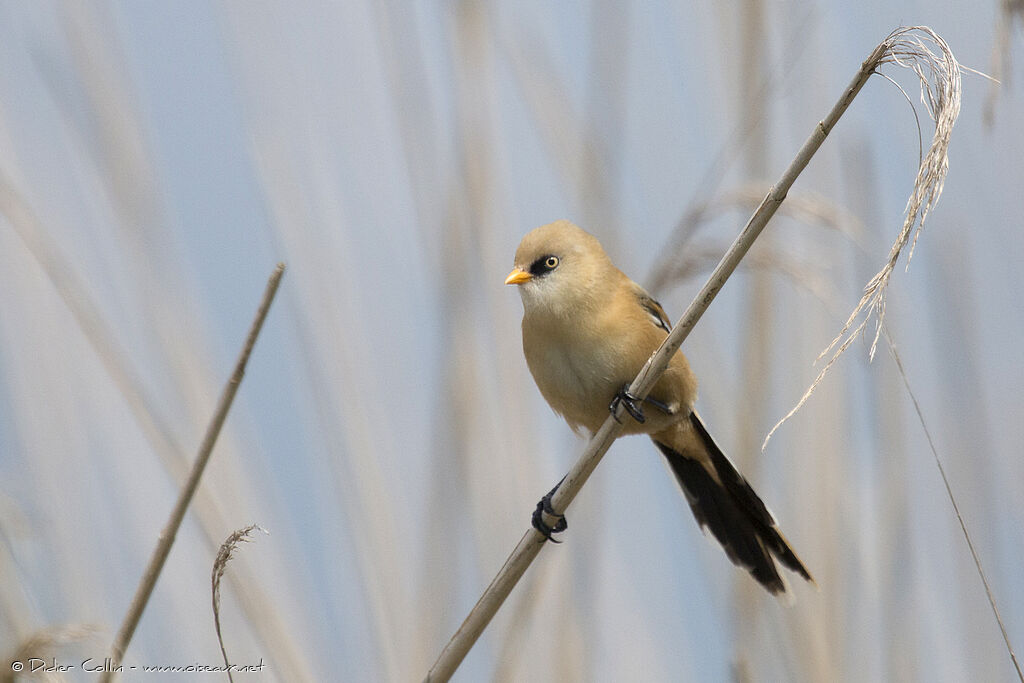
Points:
[(653, 309)]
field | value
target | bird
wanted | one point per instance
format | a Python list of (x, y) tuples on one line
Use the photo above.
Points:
[(587, 330)]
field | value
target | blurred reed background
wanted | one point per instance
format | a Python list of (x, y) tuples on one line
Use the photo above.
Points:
[(159, 158)]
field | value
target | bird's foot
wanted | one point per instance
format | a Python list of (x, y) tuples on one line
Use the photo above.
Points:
[(544, 506), (663, 407), (632, 405), (630, 402)]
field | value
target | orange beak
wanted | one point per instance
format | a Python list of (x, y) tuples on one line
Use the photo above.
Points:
[(518, 277)]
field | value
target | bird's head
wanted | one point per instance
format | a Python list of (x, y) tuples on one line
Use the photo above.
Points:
[(560, 269)]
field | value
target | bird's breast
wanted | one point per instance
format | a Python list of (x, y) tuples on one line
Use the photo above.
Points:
[(579, 366), (576, 375)]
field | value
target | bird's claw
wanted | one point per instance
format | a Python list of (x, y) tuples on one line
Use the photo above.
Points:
[(630, 402), (544, 506)]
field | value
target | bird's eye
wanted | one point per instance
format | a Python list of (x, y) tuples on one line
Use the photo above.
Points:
[(543, 265)]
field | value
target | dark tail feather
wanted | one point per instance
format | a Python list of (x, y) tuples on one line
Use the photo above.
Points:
[(732, 511)]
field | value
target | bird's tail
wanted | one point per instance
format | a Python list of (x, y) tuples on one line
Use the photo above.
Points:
[(723, 501)]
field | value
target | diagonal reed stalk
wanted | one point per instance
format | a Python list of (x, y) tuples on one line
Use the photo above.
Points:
[(167, 535), (529, 546)]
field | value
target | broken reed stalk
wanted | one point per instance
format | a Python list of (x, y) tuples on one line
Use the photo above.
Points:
[(530, 545), (166, 538)]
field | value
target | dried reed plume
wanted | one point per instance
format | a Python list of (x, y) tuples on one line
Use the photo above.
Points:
[(939, 76), (220, 564)]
